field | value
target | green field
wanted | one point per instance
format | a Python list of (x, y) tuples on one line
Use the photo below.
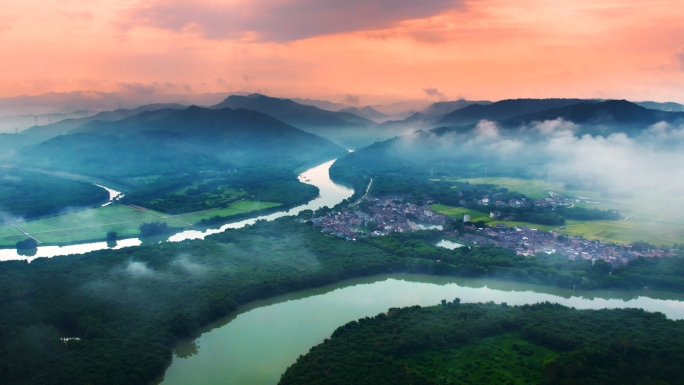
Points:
[(475, 216), (237, 208), (93, 224), (652, 215), (457, 212)]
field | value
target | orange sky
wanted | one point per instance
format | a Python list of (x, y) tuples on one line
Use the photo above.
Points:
[(381, 50)]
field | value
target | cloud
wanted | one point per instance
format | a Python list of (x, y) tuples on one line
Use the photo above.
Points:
[(279, 21), (486, 130), (680, 57), (352, 99), (549, 127), (154, 88), (79, 16), (7, 22), (139, 270), (434, 93)]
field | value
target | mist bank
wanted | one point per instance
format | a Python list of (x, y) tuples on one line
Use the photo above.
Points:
[(597, 155)]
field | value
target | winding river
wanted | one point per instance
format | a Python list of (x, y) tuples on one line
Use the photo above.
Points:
[(330, 195), (257, 343)]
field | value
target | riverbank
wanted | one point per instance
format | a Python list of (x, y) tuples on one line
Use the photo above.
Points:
[(262, 338), (330, 194)]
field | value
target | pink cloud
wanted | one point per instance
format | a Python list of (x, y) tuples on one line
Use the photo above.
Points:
[(680, 57), (280, 21)]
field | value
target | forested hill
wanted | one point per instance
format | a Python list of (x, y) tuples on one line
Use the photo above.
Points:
[(347, 129), (49, 131), (172, 141), (458, 343), (503, 109), (614, 115), (296, 114)]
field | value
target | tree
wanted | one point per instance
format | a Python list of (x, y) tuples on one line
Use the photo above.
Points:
[(27, 244), (111, 236)]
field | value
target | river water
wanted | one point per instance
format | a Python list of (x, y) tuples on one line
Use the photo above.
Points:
[(330, 195), (256, 344)]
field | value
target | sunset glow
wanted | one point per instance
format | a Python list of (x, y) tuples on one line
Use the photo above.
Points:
[(380, 50)]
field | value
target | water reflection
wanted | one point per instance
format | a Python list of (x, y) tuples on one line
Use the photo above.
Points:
[(258, 342)]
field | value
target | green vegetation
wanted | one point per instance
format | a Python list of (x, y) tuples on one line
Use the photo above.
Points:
[(27, 244), (129, 306), (94, 224), (27, 195), (498, 344)]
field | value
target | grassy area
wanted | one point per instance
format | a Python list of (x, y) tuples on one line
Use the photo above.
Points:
[(457, 212), (533, 188), (654, 216), (237, 208), (475, 216), (93, 224)]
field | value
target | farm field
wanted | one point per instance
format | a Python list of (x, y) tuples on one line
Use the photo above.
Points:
[(653, 216), (475, 216), (93, 224)]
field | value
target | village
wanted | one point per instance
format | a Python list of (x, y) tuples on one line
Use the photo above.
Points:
[(379, 216)]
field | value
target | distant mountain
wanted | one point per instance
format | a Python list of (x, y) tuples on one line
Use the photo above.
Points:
[(19, 123), (322, 104), (131, 96), (667, 106), (443, 108), (298, 115), (503, 109), (609, 116), (347, 129), (49, 131), (367, 112), (180, 141)]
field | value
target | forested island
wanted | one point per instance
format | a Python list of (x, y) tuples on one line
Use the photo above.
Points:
[(128, 307), (456, 343)]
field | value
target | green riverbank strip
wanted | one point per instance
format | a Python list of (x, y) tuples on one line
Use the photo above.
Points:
[(93, 224)]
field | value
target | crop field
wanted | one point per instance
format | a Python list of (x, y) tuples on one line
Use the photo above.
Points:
[(652, 215), (93, 224)]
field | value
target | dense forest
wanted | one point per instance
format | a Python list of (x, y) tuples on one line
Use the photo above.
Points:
[(422, 256), (497, 344), (128, 306), (28, 195)]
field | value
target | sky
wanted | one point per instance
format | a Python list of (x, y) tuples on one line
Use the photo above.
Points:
[(361, 52)]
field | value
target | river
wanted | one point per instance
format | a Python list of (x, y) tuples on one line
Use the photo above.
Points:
[(256, 344), (319, 176)]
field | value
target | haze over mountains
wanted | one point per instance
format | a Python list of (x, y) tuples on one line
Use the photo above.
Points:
[(48, 131), (186, 140), (350, 130)]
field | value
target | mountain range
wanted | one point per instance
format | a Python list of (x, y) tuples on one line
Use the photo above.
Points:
[(172, 141), (48, 131)]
